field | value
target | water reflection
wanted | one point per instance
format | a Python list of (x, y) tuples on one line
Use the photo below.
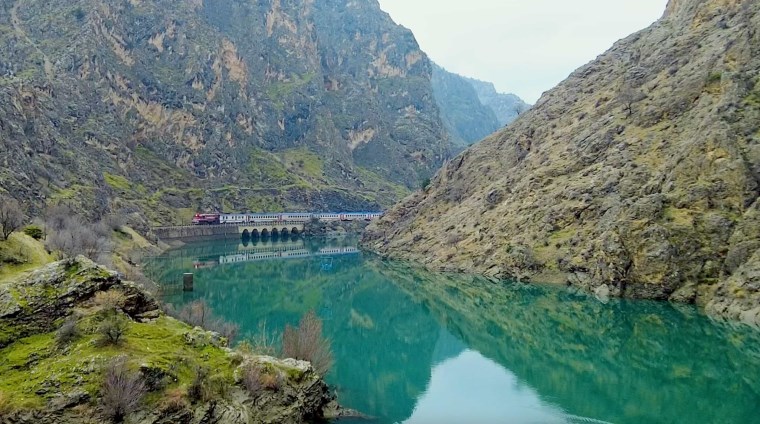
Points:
[(416, 347)]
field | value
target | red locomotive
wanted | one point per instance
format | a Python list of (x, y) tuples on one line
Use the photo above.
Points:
[(206, 219)]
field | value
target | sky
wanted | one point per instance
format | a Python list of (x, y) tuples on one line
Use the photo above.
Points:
[(523, 46)]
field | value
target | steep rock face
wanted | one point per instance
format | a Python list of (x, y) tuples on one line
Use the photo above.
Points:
[(35, 303), (506, 106), (638, 176), (465, 117), (166, 106)]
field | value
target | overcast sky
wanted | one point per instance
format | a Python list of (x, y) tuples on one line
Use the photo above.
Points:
[(523, 46)]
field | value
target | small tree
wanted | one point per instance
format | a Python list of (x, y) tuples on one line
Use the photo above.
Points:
[(11, 216), (112, 329), (68, 331), (34, 232), (122, 390), (629, 96), (307, 343), (425, 183)]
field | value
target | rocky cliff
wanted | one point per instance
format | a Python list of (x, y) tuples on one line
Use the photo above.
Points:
[(169, 107), (506, 106), (466, 118), (638, 176)]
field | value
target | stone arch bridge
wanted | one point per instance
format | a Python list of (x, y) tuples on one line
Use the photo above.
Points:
[(265, 229)]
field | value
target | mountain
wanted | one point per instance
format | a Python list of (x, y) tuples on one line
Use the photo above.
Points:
[(465, 117), (506, 106), (472, 109), (169, 107), (638, 176)]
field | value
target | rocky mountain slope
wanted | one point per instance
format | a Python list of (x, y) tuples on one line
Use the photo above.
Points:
[(506, 106), (466, 118), (169, 107), (638, 176)]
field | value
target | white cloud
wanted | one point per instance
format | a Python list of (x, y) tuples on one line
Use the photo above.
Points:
[(523, 46)]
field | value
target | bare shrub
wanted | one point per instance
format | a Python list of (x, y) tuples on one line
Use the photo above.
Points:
[(173, 401), (11, 216), (227, 329), (122, 390), (206, 387), (199, 314), (260, 343), (252, 380), (112, 329), (110, 301), (271, 380), (68, 331), (197, 390), (70, 235), (56, 217), (307, 343)]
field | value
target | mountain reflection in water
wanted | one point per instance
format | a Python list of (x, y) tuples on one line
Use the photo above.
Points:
[(418, 347)]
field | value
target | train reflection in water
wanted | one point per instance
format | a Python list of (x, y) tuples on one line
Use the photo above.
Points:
[(269, 250)]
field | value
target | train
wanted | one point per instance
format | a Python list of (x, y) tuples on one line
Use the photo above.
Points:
[(251, 218)]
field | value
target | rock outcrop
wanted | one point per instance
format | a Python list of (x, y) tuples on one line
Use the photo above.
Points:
[(48, 375), (167, 107), (640, 172), (36, 303)]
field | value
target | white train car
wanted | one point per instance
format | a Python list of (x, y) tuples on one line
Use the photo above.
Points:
[(328, 216), (359, 216), (296, 217), (230, 218), (264, 217)]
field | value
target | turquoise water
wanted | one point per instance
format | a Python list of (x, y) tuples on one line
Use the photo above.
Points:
[(417, 347)]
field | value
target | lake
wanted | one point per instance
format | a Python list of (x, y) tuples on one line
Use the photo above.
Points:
[(416, 347)]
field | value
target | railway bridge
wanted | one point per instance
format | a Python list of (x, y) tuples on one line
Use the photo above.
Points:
[(253, 230), (265, 229)]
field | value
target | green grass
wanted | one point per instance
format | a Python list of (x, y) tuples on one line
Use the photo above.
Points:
[(36, 362), (21, 253), (117, 182), (304, 162), (76, 191)]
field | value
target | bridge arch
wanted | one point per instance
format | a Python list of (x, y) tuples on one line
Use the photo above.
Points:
[(294, 231), (255, 233), (275, 232), (284, 232), (265, 233), (246, 234)]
